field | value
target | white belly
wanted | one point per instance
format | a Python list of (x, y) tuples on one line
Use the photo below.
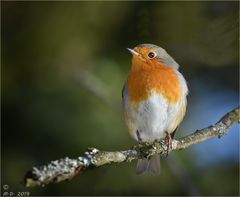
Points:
[(152, 118)]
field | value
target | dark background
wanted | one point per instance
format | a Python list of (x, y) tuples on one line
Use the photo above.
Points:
[(63, 68)]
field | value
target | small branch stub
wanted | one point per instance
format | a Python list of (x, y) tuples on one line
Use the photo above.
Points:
[(65, 169)]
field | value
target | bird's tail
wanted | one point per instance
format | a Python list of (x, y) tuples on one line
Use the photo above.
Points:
[(152, 165)]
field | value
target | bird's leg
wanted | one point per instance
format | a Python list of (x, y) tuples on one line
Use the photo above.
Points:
[(169, 142), (139, 137)]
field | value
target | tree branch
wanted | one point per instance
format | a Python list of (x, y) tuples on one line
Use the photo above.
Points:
[(65, 169)]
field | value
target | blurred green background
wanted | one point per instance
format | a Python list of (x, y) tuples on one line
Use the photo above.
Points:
[(63, 68)]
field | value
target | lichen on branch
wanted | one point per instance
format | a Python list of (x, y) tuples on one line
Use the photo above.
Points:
[(66, 168)]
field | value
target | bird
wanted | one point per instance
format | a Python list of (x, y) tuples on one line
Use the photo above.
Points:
[(154, 99)]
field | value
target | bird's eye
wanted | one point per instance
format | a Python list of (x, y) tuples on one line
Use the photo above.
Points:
[(151, 55)]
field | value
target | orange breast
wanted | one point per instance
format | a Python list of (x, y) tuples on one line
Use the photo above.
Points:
[(147, 78)]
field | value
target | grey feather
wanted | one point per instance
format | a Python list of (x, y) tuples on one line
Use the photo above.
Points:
[(162, 55), (142, 166), (154, 165)]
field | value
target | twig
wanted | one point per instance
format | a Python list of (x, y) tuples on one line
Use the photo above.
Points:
[(65, 169)]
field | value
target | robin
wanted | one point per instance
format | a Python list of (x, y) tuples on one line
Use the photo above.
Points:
[(154, 99)]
